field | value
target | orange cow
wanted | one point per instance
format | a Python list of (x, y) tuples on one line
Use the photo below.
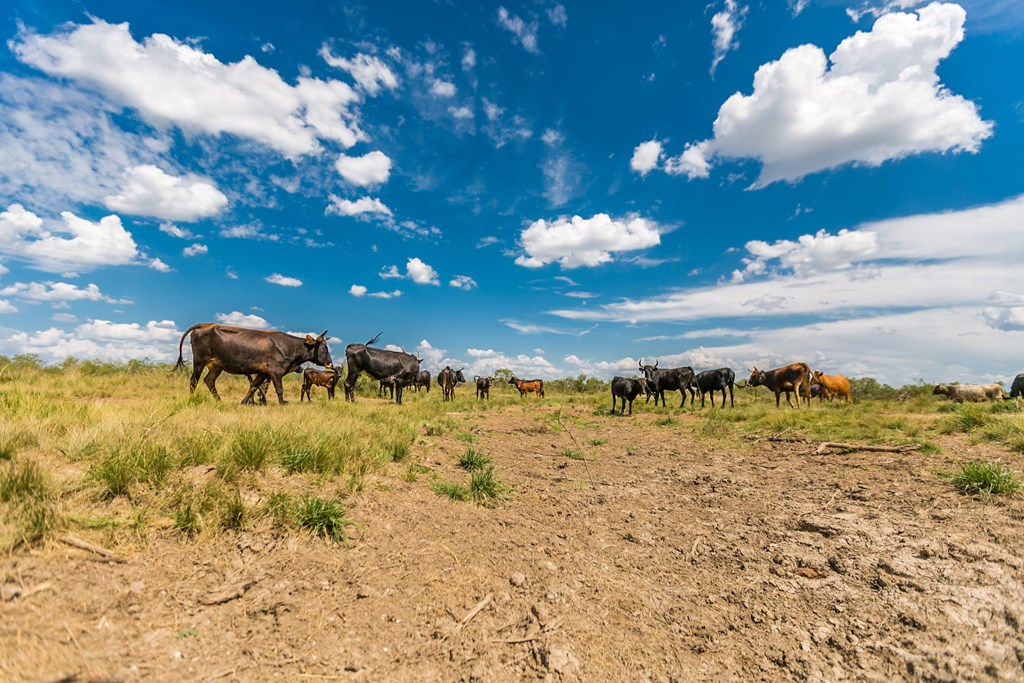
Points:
[(832, 386)]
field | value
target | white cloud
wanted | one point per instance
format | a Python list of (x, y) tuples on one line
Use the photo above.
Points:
[(876, 98), (810, 254), (99, 339), (364, 206), (7, 307), (415, 270), (284, 281), (369, 72), (441, 88), (581, 241), (646, 156), (168, 81), (174, 231), (240, 319), (558, 16), (357, 290), (60, 145), (373, 168), (461, 113), (64, 318), (159, 266), (468, 59), (195, 250), (485, 361), (149, 191), (462, 282), (724, 26), (78, 245), (523, 33), (386, 295), (40, 292)]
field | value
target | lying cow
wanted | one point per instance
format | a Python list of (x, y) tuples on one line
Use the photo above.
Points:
[(627, 389), (526, 386), (483, 386), (832, 386), (792, 378), (972, 393), (711, 381), (319, 378)]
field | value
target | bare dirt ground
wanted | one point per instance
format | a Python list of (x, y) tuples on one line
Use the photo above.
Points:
[(662, 558)]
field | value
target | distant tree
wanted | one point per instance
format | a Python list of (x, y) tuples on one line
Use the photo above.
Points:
[(503, 375)]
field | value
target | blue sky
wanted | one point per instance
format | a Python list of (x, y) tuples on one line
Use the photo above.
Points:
[(551, 187)]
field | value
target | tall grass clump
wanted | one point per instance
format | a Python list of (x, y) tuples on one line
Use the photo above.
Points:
[(472, 460), (324, 518), (22, 480), (967, 418), (485, 488), (450, 489), (14, 439), (986, 477), (129, 463), (248, 451)]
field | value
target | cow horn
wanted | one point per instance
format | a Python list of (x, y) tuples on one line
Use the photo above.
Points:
[(655, 363), (323, 335)]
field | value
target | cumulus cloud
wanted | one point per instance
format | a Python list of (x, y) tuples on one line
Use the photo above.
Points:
[(195, 250), (876, 98), (364, 207), (159, 266), (51, 292), (174, 231), (809, 254), (284, 281), (441, 88), (416, 270), (646, 156), (171, 82), (240, 319), (357, 290), (576, 242), (369, 72), (523, 33), (462, 282), (149, 191), (7, 307), (100, 339), (725, 24), (373, 168), (386, 295), (78, 245)]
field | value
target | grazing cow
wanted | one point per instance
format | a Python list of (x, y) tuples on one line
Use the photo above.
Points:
[(711, 381), (395, 367), (792, 378), (526, 386), (832, 386), (319, 378), (1017, 388), (422, 380), (259, 354), (660, 380), (973, 393), (627, 389), (448, 379), (483, 386)]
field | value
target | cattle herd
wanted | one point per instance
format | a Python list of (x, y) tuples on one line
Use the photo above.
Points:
[(266, 356)]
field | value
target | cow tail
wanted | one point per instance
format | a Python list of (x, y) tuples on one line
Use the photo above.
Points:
[(180, 365)]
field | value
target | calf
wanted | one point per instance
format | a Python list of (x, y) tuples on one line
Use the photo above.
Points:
[(711, 381), (626, 389), (385, 387), (422, 380), (526, 386), (974, 393), (483, 386), (832, 386), (660, 380), (447, 379), (792, 378), (319, 378)]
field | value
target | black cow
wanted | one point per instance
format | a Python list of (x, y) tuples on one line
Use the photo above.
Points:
[(395, 367), (711, 381), (627, 389), (447, 379), (483, 386), (422, 380), (1017, 388), (259, 354), (792, 378), (660, 380)]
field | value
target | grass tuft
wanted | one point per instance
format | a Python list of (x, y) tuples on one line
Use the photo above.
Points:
[(485, 488), (22, 481), (450, 489), (128, 464), (986, 477), (472, 460), (324, 518)]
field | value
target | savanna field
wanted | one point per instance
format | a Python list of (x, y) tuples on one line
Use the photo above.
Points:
[(152, 535)]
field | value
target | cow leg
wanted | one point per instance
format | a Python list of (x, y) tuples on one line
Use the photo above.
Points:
[(350, 385), (398, 393), (732, 401), (330, 391), (211, 380), (197, 370), (254, 384), (279, 388), (630, 405)]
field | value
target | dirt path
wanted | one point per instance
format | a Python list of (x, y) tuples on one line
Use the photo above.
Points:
[(662, 558)]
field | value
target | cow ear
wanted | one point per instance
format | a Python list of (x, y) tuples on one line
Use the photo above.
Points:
[(310, 341)]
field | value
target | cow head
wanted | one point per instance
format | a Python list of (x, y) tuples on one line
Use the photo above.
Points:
[(941, 389), (649, 370), (512, 379), (817, 375), (756, 378), (459, 377), (318, 346)]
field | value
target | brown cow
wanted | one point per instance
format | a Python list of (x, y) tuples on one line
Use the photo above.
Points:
[(526, 386), (792, 378), (319, 378), (832, 386)]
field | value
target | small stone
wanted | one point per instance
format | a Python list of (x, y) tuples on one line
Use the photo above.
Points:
[(518, 579)]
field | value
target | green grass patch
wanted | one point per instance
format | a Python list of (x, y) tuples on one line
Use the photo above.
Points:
[(452, 490), (597, 442), (665, 421), (21, 481), (986, 477), (324, 518), (128, 464), (473, 460), (485, 488)]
